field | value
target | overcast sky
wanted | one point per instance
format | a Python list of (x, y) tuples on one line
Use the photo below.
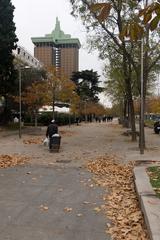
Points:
[(35, 18)]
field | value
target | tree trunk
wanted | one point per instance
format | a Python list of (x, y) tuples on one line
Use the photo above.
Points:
[(132, 120), (36, 116), (145, 42), (53, 106), (127, 76), (6, 115)]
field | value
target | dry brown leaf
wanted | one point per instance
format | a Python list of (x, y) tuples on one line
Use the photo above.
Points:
[(44, 208), (34, 178), (97, 209), (7, 160), (79, 215), (67, 209), (66, 133), (36, 140), (122, 205)]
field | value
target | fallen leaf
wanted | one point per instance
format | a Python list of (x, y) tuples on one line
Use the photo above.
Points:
[(43, 207), (97, 209), (67, 209), (34, 178), (85, 202), (91, 185), (36, 140), (121, 203), (60, 189), (7, 160), (79, 215)]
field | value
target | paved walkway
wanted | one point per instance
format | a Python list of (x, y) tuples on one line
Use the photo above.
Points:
[(46, 203), (49, 200), (83, 143)]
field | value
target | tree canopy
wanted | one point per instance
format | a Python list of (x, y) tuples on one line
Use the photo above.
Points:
[(106, 23), (87, 85), (8, 41)]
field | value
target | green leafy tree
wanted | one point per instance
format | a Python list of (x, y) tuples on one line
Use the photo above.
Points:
[(87, 88), (87, 85), (8, 41)]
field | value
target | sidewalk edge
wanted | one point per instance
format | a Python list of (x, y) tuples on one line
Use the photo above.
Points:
[(149, 203)]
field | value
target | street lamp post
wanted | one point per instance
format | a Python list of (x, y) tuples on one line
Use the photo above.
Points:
[(142, 104), (85, 110), (69, 113), (20, 102), (20, 97), (141, 143)]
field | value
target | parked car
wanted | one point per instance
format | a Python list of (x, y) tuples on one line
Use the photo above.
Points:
[(157, 127)]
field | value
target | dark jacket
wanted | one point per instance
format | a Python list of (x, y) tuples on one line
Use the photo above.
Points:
[(51, 129)]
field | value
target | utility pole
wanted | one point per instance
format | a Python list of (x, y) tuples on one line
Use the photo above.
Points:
[(20, 97), (142, 104), (20, 102)]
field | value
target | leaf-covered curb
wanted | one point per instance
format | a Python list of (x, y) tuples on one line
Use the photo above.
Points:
[(122, 205)]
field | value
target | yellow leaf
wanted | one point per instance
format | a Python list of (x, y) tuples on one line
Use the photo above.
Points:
[(154, 23), (79, 215), (67, 209), (103, 9), (97, 6), (104, 12), (97, 209), (147, 18)]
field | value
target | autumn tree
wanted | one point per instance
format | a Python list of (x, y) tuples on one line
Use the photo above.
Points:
[(105, 23), (59, 87), (8, 41), (154, 104), (105, 34), (35, 96)]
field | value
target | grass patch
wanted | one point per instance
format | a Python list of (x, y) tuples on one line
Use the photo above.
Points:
[(149, 123), (154, 174)]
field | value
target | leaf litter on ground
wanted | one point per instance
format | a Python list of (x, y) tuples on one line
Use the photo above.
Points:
[(33, 140), (121, 203), (7, 160)]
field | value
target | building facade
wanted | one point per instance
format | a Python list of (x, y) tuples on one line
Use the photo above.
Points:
[(59, 50), (26, 57)]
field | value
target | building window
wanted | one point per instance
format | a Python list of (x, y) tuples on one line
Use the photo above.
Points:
[(18, 50)]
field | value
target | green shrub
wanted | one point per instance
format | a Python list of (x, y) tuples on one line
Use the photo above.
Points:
[(64, 118), (61, 118), (12, 126), (149, 123), (45, 118)]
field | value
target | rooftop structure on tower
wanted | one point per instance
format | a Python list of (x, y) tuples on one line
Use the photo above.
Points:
[(58, 49)]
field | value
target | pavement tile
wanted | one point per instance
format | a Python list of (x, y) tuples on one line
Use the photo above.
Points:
[(56, 190), (28, 233)]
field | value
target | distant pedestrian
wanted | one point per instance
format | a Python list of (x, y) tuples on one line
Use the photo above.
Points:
[(15, 120), (77, 121)]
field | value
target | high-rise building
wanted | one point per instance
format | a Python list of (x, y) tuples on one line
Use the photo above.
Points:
[(58, 49)]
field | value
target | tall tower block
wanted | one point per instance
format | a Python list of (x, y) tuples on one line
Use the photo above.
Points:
[(58, 49)]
